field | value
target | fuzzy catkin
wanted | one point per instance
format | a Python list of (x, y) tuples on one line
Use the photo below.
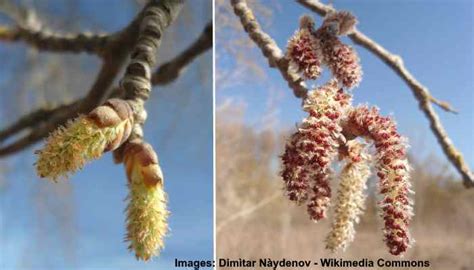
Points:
[(311, 149), (146, 211), (350, 198), (342, 60), (304, 52), (393, 172), (85, 138)]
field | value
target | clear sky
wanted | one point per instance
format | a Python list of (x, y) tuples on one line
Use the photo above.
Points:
[(91, 207), (435, 39)]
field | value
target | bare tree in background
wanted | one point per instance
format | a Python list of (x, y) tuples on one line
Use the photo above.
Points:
[(132, 49)]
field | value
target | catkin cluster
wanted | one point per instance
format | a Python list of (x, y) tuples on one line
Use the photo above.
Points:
[(333, 128), (310, 48), (107, 128)]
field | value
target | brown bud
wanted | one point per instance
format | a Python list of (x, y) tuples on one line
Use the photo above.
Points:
[(138, 154), (121, 107), (115, 113), (104, 116)]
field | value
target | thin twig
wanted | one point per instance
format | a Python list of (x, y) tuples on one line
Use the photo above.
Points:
[(268, 46), (394, 61), (170, 70), (114, 58), (420, 92), (45, 40), (43, 121), (248, 211), (30, 30), (32, 119)]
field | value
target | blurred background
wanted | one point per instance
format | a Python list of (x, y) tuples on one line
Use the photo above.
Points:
[(256, 112), (79, 223)]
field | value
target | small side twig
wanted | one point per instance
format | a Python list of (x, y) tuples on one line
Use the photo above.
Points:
[(420, 92), (45, 40), (248, 211), (44, 120), (170, 70), (32, 119), (29, 29)]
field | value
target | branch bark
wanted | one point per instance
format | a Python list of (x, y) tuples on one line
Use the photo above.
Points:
[(45, 40), (136, 81), (269, 47), (420, 92), (30, 30), (171, 70)]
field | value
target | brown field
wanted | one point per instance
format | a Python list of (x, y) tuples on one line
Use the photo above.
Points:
[(255, 220)]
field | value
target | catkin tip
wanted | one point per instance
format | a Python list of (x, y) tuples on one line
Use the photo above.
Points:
[(146, 211)]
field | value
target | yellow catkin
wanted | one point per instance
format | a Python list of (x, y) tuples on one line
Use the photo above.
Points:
[(69, 148), (85, 138), (146, 211), (349, 203)]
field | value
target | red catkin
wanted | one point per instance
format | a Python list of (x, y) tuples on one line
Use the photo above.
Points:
[(312, 148), (393, 173), (342, 60), (304, 52)]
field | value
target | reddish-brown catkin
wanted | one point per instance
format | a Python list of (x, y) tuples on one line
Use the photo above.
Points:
[(393, 172), (342, 60), (304, 51), (310, 151)]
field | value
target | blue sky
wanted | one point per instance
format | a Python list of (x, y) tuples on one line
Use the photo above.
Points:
[(91, 204), (435, 39)]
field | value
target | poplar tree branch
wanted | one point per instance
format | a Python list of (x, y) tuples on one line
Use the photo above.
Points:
[(114, 57), (44, 40), (420, 92), (248, 211), (45, 120), (268, 47), (136, 81), (30, 30), (171, 70)]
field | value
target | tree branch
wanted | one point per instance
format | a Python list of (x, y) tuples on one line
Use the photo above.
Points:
[(158, 15), (392, 60), (43, 121), (136, 82), (45, 40), (33, 119), (420, 92), (171, 70), (30, 30), (268, 46), (40, 123), (114, 57), (248, 211)]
